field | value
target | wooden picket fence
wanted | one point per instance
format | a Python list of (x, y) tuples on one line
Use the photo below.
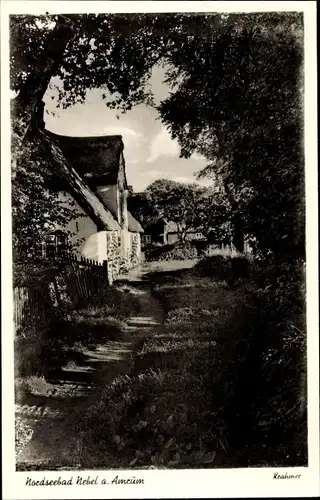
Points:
[(72, 283), (83, 280), (31, 305)]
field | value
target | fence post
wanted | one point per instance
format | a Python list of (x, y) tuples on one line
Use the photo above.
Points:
[(56, 289), (108, 271)]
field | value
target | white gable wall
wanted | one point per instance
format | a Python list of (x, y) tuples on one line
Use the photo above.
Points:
[(84, 237), (110, 196)]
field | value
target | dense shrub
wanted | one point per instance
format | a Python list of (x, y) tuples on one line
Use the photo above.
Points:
[(217, 266), (269, 401), (267, 409), (32, 385), (177, 251), (223, 267)]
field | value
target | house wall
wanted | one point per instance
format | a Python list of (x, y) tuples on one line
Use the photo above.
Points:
[(115, 198), (125, 244), (135, 253), (84, 234), (195, 236), (122, 195), (138, 239), (110, 196), (123, 209), (173, 237)]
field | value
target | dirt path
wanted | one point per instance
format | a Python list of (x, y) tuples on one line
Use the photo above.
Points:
[(53, 417)]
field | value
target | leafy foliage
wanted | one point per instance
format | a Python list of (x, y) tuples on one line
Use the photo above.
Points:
[(179, 251), (215, 217), (239, 104), (36, 209), (142, 208), (236, 98), (106, 51), (176, 202), (189, 206)]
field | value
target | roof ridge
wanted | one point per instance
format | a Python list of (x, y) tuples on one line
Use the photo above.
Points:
[(96, 157), (82, 137)]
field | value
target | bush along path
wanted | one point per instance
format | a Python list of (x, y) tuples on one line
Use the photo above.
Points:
[(50, 409)]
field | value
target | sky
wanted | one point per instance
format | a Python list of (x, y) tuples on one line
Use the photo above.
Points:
[(149, 151)]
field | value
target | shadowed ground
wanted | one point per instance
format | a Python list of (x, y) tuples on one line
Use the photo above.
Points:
[(76, 386), (187, 377)]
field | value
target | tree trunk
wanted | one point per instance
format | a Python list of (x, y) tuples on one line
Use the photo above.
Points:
[(237, 221), (238, 235), (31, 93)]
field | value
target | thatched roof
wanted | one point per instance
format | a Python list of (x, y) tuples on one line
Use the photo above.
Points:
[(84, 162), (79, 188), (96, 159), (133, 225)]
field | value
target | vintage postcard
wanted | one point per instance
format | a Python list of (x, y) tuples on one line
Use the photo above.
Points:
[(159, 250)]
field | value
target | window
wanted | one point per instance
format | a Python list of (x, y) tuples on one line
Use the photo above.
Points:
[(56, 244), (147, 238)]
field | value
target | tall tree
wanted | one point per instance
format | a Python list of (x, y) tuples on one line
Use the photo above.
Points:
[(85, 52), (240, 104), (113, 52), (215, 217), (37, 48), (177, 202), (236, 97)]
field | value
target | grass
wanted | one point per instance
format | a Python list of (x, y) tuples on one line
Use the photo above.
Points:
[(42, 349), (218, 385), (162, 415), (32, 385)]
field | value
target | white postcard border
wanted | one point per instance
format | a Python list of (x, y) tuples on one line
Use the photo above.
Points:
[(253, 482)]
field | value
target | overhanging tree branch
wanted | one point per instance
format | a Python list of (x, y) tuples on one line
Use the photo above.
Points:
[(36, 83)]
